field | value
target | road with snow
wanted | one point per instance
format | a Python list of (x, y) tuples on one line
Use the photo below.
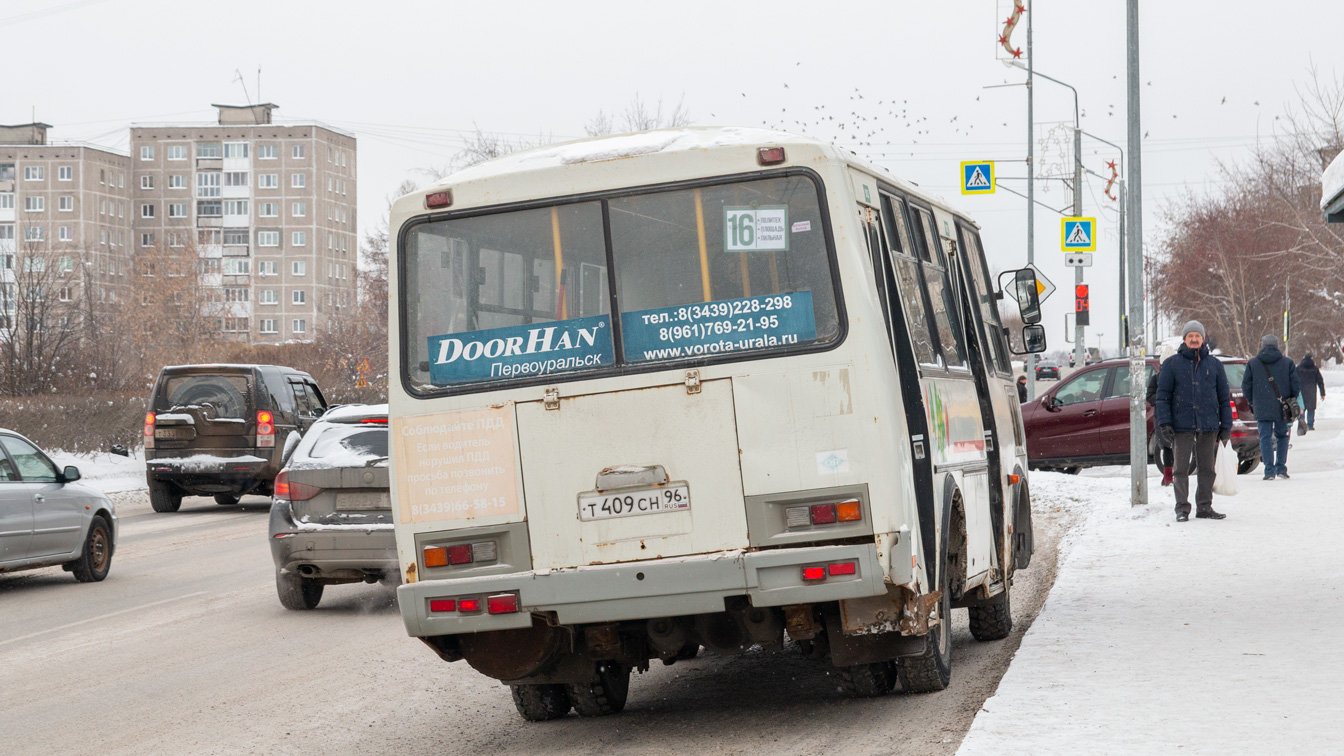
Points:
[(184, 649)]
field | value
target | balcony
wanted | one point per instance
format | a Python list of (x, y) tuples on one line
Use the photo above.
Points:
[(209, 221), (236, 250), (209, 164)]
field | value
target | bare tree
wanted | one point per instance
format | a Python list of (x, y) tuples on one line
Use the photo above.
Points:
[(39, 313)]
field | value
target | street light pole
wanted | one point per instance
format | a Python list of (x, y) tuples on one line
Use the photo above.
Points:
[(1030, 363), (1138, 415)]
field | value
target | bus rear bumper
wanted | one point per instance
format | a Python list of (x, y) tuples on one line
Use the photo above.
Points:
[(669, 587)]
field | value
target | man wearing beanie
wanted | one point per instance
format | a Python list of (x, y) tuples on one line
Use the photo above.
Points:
[(1265, 402), (1194, 413)]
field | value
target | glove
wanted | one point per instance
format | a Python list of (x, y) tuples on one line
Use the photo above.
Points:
[(1224, 435), (1167, 434)]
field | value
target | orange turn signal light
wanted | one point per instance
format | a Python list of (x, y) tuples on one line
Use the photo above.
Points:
[(1014, 480), (436, 556), (848, 511)]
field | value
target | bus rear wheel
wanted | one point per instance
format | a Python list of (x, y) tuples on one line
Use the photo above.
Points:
[(868, 680), (605, 694), (993, 619)]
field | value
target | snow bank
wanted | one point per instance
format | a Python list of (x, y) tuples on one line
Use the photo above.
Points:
[(108, 473), (1332, 181)]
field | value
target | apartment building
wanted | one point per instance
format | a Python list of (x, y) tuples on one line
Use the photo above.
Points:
[(268, 208), (64, 219)]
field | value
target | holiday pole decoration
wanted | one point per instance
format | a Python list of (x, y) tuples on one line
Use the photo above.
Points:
[(1111, 181), (1006, 38)]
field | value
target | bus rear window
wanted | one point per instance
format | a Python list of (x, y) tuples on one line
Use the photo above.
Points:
[(727, 268)]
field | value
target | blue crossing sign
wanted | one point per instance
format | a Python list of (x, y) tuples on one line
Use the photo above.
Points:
[(1078, 235), (977, 177)]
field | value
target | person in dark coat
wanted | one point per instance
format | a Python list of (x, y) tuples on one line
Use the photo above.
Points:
[(1194, 414), (1310, 377), (1265, 403), (1022, 389)]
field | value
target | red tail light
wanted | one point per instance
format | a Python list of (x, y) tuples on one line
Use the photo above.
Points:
[(469, 605), (770, 155), (841, 568), (443, 605), (294, 491), (374, 421), (438, 199), (506, 603), (1234, 410), (460, 554), (265, 429), (149, 430), (814, 573), (823, 514)]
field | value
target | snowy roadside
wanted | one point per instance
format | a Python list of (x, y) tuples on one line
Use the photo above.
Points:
[(109, 473), (1202, 637)]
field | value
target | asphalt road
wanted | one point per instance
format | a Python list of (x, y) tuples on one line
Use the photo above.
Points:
[(184, 649)]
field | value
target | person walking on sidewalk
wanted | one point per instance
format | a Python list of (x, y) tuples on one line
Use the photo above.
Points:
[(1022, 389), (1264, 395), (1310, 377), (1194, 414), (1163, 450)]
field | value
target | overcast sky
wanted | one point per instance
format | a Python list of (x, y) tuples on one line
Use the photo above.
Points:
[(413, 79)]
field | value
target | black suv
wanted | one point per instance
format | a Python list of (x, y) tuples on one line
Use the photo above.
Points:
[(223, 430)]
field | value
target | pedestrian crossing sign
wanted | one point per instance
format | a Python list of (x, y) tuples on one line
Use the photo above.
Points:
[(977, 177), (1078, 235)]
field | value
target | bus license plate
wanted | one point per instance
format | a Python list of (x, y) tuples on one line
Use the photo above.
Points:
[(674, 497)]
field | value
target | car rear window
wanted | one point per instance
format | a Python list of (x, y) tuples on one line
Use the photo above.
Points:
[(229, 395), (359, 444), (1235, 372)]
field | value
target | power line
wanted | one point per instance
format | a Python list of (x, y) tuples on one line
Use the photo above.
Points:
[(31, 15)]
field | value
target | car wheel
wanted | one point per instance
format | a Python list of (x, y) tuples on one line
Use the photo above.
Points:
[(1245, 466), (605, 695), (96, 559), (296, 592), (539, 703), (164, 497), (993, 619), (227, 499)]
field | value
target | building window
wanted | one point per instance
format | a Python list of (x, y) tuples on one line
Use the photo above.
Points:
[(299, 296), (146, 182), (177, 152), (147, 152), (209, 208), (298, 268), (268, 325), (268, 181), (6, 171), (67, 264), (177, 181), (177, 210), (102, 236), (66, 204), (63, 234), (268, 268), (63, 293), (268, 238), (267, 152), (298, 180), (267, 297), (235, 178), (147, 240), (34, 173), (6, 200), (207, 150), (235, 149), (65, 173), (299, 326), (174, 240), (102, 208), (147, 211), (298, 152), (299, 239), (234, 294), (298, 209), (121, 181), (35, 204), (34, 233), (268, 209), (121, 210), (207, 184), (235, 207), (235, 237), (34, 264)]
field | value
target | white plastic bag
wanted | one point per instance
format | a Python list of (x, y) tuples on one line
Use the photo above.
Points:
[(1225, 471)]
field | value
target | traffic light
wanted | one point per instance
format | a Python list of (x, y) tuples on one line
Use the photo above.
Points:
[(1081, 308)]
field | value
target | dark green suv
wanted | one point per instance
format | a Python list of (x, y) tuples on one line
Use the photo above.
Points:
[(224, 430)]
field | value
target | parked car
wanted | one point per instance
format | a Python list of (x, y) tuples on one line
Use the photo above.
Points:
[(1047, 370), (46, 518), (223, 430), (1084, 422), (331, 518)]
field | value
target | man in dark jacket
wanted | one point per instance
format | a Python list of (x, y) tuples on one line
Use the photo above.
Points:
[(1194, 413), (1264, 401), (1310, 377), (1022, 389)]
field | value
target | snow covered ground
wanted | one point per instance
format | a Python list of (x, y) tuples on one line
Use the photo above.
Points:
[(108, 473), (1202, 637)]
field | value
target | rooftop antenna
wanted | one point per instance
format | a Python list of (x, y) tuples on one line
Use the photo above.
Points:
[(238, 77), (259, 85)]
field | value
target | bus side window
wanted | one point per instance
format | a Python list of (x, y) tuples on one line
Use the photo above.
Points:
[(904, 271), (877, 252), (982, 294)]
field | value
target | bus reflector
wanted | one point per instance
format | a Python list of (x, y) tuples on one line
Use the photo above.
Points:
[(469, 606), (841, 568), (436, 556), (848, 511), (460, 554), (814, 573), (438, 199), (770, 155), (443, 605), (823, 514), (797, 517), (1014, 479), (506, 603)]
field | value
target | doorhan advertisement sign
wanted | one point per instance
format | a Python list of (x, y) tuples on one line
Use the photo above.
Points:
[(516, 351)]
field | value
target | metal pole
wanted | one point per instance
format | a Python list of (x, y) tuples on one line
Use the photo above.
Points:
[(1122, 304), (1031, 187), (1138, 413), (1079, 345)]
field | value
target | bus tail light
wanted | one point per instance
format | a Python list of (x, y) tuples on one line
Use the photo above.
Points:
[(461, 554), (435, 200), (506, 603), (814, 573), (841, 568), (265, 429), (443, 605), (770, 155), (469, 605), (149, 430), (850, 510), (293, 490), (436, 556)]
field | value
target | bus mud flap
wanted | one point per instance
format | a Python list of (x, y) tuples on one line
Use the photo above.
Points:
[(900, 610), (873, 646), (513, 654)]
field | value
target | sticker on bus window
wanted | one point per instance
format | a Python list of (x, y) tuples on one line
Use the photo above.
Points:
[(456, 465), (756, 229), (517, 351), (730, 325)]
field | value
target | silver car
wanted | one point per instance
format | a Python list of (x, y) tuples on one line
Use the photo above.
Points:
[(46, 518), (331, 517)]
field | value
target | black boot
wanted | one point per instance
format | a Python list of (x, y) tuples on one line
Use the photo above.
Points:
[(1207, 513)]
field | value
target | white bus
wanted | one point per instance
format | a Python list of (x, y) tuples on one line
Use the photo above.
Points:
[(698, 387)]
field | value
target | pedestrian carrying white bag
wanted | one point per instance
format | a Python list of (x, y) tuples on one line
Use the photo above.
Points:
[(1225, 471)]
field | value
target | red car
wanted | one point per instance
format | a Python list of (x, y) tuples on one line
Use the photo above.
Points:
[(1084, 421)]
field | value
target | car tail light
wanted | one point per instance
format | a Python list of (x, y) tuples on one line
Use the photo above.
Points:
[(1234, 410), (438, 199), (814, 573), (293, 490), (443, 605), (841, 568), (506, 603), (848, 511), (265, 429), (436, 556), (374, 421), (149, 430), (469, 605), (770, 155)]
